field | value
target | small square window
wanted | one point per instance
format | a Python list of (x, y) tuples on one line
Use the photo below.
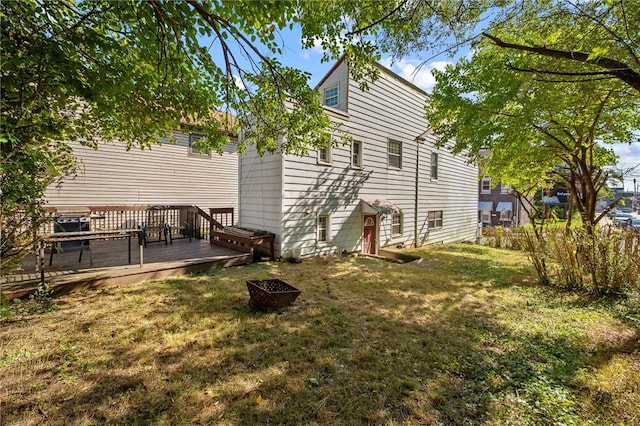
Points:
[(434, 219), (434, 165), (323, 227), (394, 149), (396, 224), (356, 154), (324, 155), (505, 189), (485, 187), (194, 148), (331, 96)]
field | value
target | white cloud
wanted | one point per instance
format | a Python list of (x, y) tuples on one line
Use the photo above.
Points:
[(629, 158), (238, 82), (416, 71)]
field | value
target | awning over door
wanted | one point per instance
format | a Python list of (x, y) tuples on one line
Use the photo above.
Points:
[(485, 205), (378, 206), (504, 206)]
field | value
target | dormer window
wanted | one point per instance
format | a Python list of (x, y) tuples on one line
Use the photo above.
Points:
[(331, 96)]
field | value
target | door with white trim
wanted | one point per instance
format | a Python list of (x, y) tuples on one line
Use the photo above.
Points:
[(369, 232)]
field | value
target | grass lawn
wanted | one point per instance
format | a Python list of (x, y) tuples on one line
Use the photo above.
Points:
[(466, 338)]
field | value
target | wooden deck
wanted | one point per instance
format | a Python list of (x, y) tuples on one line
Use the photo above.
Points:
[(110, 265)]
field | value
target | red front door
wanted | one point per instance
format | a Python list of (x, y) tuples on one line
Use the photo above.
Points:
[(369, 235)]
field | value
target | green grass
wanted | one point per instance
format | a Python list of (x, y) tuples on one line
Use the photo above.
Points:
[(467, 339)]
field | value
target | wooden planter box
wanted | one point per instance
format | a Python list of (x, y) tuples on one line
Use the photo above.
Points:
[(271, 294)]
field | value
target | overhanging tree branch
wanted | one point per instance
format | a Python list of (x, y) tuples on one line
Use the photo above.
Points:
[(619, 69)]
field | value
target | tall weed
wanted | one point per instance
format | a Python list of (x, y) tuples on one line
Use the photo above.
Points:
[(607, 262)]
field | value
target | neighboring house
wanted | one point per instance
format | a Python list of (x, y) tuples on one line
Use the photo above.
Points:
[(391, 186), (498, 207), (167, 174)]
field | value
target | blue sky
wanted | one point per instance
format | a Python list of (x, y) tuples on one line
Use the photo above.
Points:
[(416, 71)]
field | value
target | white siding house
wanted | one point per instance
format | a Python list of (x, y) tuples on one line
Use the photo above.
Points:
[(391, 186), (171, 173)]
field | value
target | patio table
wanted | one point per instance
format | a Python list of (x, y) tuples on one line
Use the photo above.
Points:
[(88, 236)]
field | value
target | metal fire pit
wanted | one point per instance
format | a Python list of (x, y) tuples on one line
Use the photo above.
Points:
[(271, 294)]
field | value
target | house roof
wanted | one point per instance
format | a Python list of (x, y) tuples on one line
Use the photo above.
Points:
[(376, 64), (226, 119)]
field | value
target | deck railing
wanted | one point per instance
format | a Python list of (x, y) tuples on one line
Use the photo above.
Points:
[(176, 216), (221, 217)]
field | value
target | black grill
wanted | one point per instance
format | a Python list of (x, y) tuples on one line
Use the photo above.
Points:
[(71, 224)]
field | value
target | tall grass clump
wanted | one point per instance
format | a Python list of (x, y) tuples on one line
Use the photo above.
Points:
[(605, 262), (502, 237)]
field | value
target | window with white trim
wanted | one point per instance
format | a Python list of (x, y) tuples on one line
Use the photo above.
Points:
[(394, 150), (505, 215), (356, 154), (485, 216), (434, 219), (434, 165), (324, 154), (332, 96), (505, 189), (396, 224), (323, 227), (485, 187), (194, 149)]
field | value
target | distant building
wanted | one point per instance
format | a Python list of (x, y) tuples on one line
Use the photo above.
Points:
[(497, 206)]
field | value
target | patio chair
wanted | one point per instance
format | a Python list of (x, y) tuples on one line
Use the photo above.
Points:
[(155, 230), (184, 229)]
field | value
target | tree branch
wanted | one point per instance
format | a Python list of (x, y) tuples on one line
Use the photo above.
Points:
[(619, 69), (376, 22)]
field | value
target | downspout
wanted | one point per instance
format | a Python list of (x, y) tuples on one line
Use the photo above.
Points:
[(415, 216)]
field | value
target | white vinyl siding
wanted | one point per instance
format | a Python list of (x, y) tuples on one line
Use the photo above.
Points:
[(260, 186), (161, 175)]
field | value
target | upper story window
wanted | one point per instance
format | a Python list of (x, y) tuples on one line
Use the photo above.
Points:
[(331, 96), (434, 219), (396, 224), (323, 227), (394, 150), (356, 154), (485, 186), (505, 189), (194, 146), (434, 165)]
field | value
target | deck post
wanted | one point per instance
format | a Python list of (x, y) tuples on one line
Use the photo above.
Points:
[(141, 247)]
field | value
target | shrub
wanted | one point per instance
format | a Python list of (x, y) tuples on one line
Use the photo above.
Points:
[(603, 263)]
